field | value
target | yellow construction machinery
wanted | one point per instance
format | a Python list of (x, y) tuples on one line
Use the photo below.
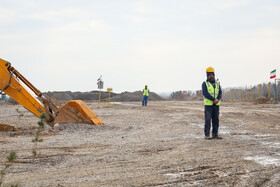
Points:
[(15, 85)]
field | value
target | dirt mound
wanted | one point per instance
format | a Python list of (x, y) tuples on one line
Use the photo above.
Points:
[(135, 96), (68, 95), (94, 95), (264, 101)]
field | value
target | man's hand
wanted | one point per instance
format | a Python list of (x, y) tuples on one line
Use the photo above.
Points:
[(216, 101)]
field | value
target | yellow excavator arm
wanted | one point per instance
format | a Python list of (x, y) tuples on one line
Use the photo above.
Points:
[(16, 89), (20, 89)]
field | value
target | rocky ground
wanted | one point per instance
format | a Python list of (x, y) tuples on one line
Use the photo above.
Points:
[(161, 144)]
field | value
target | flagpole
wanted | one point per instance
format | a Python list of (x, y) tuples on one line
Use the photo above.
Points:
[(276, 101), (99, 95), (273, 75)]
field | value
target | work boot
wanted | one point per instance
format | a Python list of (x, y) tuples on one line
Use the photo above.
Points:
[(217, 137), (208, 138)]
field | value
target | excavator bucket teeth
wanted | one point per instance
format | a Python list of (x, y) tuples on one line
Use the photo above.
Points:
[(77, 111)]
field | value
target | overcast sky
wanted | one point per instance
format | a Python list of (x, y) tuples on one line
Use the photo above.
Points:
[(61, 45)]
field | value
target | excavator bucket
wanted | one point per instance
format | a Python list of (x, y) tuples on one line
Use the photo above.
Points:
[(76, 111)]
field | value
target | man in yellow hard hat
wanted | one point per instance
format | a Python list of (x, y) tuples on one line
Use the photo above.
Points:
[(145, 95), (212, 93)]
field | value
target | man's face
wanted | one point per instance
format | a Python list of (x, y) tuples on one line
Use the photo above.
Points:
[(211, 76)]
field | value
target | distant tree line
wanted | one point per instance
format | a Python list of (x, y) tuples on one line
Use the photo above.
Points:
[(186, 95), (265, 90)]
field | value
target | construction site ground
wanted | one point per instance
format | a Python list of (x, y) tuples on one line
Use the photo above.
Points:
[(161, 144)]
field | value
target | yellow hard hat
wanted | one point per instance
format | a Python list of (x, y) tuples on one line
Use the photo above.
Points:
[(210, 69), (146, 85)]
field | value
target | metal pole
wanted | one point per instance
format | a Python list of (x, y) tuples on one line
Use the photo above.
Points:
[(251, 94), (226, 94), (246, 93), (259, 91), (233, 94), (230, 95), (109, 98), (240, 94), (268, 91), (274, 96), (276, 101), (99, 95)]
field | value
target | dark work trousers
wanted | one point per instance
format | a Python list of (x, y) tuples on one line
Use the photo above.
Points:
[(211, 112), (145, 100)]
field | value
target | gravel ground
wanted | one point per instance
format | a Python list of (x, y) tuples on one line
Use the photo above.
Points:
[(161, 144)]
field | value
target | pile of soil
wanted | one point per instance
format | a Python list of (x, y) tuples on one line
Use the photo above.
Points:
[(264, 101), (135, 96), (68, 95), (94, 95)]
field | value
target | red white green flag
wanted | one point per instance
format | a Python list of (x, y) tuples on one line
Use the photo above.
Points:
[(100, 79), (273, 74)]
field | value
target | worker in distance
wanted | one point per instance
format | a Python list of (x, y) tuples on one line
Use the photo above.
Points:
[(145, 95)]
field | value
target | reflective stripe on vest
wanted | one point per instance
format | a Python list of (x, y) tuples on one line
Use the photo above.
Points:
[(213, 92), (145, 92)]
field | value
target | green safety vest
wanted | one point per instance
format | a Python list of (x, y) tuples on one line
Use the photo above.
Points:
[(212, 91), (145, 92)]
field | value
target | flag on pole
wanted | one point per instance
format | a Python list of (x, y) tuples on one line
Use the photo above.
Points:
[(273, 74), (100, 79)]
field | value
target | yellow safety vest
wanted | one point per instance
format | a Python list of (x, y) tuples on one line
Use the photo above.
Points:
[(145, 92), (212, 91)]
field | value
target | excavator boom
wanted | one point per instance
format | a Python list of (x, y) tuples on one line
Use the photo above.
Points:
[(16, 86), (17, 90)]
